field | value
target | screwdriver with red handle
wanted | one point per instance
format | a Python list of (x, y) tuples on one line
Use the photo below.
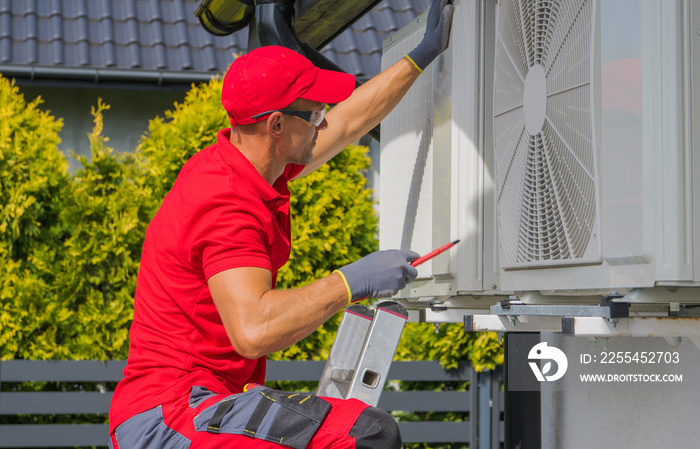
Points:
[(434, 253)]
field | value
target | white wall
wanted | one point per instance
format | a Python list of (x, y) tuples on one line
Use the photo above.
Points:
[(124, 123), (623, 416)]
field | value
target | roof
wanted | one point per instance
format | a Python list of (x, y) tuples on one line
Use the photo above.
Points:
[(358, 49), (157, 41)]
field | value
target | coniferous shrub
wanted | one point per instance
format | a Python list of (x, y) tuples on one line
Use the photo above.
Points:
[(70, 245), (33, 183), (106, 216)]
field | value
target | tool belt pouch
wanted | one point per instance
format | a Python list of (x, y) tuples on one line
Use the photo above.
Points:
[(289, 419)]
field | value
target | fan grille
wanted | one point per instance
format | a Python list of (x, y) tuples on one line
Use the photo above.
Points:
[(545, 156)]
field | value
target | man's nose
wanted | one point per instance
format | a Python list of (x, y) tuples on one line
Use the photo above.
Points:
[(323, 125)]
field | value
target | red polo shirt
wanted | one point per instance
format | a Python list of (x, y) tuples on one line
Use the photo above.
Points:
[(220, 214)]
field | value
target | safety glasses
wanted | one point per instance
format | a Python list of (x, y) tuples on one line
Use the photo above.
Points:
[(313, 117)]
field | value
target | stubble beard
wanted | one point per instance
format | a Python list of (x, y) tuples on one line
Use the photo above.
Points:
[(308, 154)]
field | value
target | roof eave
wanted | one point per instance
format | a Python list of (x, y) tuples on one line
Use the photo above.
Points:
[(98, 75)]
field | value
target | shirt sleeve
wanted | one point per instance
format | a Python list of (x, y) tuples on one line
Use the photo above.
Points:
[(233, 237)]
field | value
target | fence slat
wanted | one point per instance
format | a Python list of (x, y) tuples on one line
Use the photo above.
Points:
[(298, 370), (61, 370), (52, 435), (497, 435), (111, 371), (47, 403), (426, 371), (67, 435), (434, 432), (425, 401)]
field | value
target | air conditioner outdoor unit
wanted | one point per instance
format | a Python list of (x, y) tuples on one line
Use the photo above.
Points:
[(432, 174), (589, 184)]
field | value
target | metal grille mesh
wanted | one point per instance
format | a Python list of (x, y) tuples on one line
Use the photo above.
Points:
[(545, 155)]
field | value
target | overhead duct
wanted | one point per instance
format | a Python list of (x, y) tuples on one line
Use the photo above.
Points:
[(275, 25), (317, 22), (222, 18)]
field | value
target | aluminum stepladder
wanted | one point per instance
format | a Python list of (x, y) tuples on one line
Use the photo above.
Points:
[(362, 352)]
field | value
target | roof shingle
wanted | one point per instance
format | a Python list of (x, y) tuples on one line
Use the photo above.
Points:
[(159, 39)]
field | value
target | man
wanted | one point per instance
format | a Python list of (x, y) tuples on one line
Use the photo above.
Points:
[(206, 309)]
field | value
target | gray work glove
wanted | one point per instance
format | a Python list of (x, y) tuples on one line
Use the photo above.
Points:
[(437, 34), (379, 275)]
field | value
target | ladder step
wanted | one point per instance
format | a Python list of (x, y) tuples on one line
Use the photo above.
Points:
[(362, 352), (378, 352), (345, 350)]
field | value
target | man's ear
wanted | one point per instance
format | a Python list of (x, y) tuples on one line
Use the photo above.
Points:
[(275, 124)]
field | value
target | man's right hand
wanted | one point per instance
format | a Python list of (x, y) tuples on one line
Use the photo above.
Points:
[(379, 275)]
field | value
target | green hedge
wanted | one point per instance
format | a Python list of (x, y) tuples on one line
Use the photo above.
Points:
[(33, 179), (70, 245)]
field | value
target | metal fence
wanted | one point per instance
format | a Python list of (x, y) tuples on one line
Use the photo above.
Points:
[(480, 406)]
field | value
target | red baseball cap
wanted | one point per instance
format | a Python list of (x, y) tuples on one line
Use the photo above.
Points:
[(273, 77)]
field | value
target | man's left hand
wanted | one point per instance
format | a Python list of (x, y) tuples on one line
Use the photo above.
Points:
[(437, 34)]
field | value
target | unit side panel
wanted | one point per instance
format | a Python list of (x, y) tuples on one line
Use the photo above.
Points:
[(405, 202), (432, 159), (694, 128), (443, 175), (490, 271), (467, 148), (666, 151), (624, 196)]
